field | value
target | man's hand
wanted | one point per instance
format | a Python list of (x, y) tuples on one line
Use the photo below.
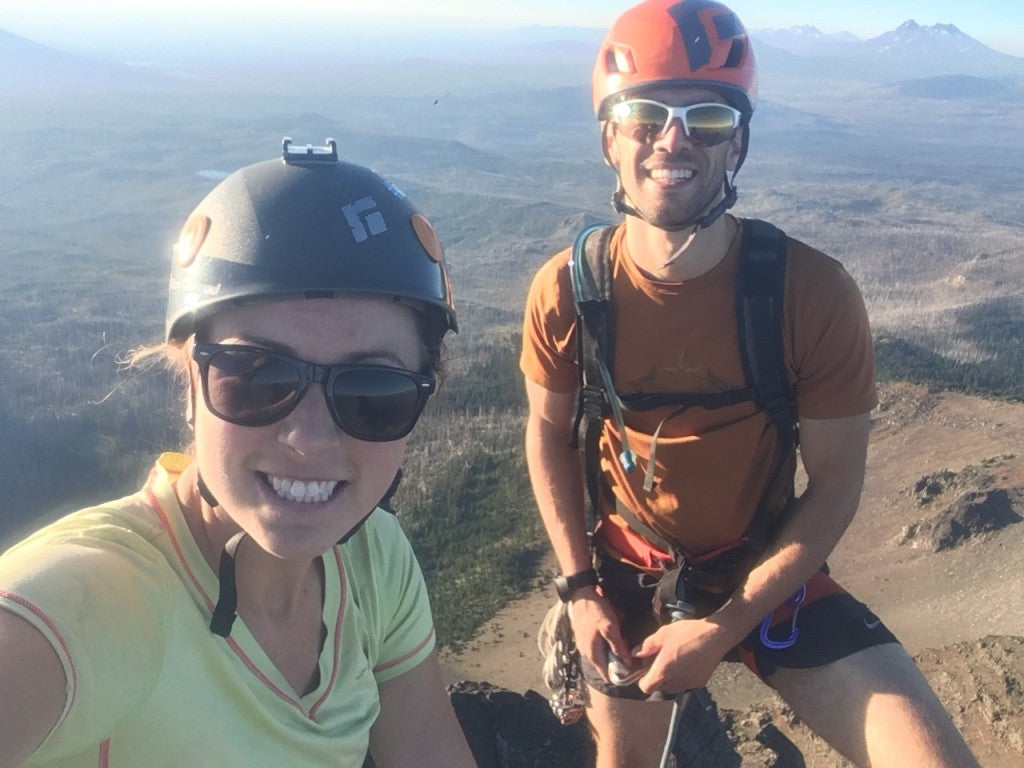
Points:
[(682, 655), (596, 627)]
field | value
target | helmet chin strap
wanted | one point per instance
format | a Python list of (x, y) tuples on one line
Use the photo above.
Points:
[(226, 610), (702, 222)]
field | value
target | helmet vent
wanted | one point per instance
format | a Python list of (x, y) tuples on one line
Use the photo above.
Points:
[(694, 36), (727, 25), (619, 59), (735, 53)]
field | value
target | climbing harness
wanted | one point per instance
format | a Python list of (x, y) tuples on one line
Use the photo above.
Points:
[(690, 589), (760, 281)]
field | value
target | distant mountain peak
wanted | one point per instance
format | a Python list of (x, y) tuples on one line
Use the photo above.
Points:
[(911, 26), (913, 39), (807, 29)]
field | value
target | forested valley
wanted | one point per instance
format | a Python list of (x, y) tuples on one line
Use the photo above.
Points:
[(505, 160)]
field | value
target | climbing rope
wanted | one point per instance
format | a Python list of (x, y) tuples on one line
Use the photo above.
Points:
[(561, 671)]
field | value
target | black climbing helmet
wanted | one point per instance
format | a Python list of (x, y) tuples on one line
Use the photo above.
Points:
[(305, 225)]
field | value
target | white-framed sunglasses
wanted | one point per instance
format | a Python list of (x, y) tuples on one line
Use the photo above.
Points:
[(646, 120)]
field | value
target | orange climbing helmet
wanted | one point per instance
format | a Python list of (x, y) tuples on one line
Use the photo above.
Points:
[(697, 43)]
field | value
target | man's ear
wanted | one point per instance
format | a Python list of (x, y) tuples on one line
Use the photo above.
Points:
[(736, 144), (608, 145), (190, 401)]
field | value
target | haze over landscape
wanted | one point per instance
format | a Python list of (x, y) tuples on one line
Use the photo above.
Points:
[(118, 24), (897, 150)]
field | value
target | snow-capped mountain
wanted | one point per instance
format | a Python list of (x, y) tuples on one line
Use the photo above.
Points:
[(910, 51), (912, 39)]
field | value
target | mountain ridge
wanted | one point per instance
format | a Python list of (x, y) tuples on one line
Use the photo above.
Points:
[(30, 66), (911, 51), (921, 50), (910, 35)]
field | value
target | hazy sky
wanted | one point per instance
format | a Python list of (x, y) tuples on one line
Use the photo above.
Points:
[(998, 23)]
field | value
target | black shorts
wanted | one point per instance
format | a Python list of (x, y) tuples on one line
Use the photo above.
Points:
[(820, 624)]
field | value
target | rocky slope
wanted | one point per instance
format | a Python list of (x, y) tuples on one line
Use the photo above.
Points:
[(935, 550), (981, 683)]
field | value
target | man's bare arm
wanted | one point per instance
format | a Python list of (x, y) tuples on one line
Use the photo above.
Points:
[(834, 453), (556, 475)]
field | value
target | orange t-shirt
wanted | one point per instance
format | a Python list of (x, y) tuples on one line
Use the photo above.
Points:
[(711, 466)]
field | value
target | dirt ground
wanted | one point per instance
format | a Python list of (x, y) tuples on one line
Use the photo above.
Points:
[(944, 605)]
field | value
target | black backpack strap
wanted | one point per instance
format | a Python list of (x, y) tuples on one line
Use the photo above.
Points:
[(759, 304), (760, 286), (595, 322)]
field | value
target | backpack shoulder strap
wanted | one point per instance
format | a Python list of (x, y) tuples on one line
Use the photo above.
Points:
[(590, 271), (760, 285), (591, 282)]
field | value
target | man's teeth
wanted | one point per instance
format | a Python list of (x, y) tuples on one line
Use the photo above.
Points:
[(678, 174), (303, 490)]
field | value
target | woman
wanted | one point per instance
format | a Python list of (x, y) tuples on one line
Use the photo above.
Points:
[(214, 618)]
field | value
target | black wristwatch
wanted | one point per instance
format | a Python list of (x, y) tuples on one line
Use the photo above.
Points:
[(566, 586)]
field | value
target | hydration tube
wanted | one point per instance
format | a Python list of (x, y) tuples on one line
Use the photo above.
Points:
[(627, 458)]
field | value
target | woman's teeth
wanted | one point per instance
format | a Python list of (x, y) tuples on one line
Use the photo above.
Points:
[(305, 491)]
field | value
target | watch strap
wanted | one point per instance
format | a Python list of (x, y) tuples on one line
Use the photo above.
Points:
[(567, 586)]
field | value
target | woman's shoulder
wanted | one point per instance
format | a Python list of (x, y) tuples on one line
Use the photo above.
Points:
[(123, 525), (78, 561)]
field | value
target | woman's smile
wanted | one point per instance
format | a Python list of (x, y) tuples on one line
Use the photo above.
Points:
[(304, 491)]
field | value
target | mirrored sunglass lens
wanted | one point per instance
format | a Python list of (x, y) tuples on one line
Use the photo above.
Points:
[(710, 123), (374, 404), (251, 387), (648, 113), (640, 120)]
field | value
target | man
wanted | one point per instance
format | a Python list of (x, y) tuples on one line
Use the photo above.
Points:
[(707, 477)]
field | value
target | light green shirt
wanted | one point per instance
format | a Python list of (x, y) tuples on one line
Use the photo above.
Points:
[(124, 596)]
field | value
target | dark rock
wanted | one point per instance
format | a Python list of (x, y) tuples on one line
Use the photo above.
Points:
[(509, 730), (981, 684), (973, 513)]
